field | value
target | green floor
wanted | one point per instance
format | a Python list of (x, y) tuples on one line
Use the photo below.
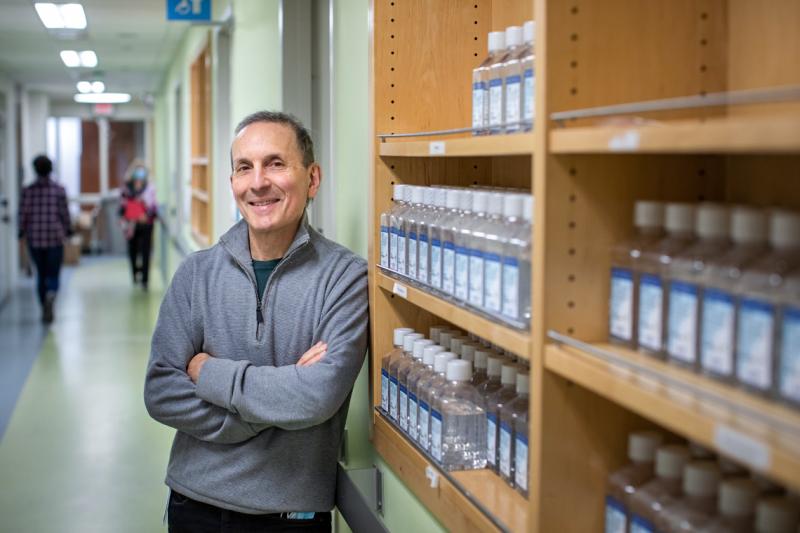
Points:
[(80, 453)]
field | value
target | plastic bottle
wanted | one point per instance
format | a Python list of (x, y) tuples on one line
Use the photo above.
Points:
[(653, 265), (403, 369), (494, 365), (758, 293), (426, 388), (386, 228), (685, 275), (647, 501), (736, 507), (720, 278), (516, 277), (529, 76), (450, 228), (512, 79), (434, 331), (509, 413), (495, 240), (494, 118), (641, 451), (412, 219), (648, 221), (423, 235), (478, 226), (394, 368), (480, 83), (468, 354), (462, 234), (414, 377), (397, 352), (699, 503), (435, 230), (396, 219), (788, 365), (494, 403), (777, 514), (521, 453), (480, 376)]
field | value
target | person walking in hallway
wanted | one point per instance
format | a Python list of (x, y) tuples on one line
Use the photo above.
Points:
[(44, 223), (138, 211), (256, 349)]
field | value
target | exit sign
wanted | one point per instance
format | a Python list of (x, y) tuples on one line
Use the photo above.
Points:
[(103, 109)]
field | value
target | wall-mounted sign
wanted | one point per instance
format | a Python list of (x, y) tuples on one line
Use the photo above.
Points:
[(103, 109), (189, 10)]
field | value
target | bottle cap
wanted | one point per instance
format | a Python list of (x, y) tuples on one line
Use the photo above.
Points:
[(671, 460), (748, 225), (481, 359), (495, 204), (429, 353), (455, 344), (701, 478), (453, 196), (529, 31), (455, 332), (679, 217), (465, 200), (737, 497), (523, 382), (513, 36), (713, 221), (480, 201), (434, 332), (512, 205), (441, 197), (497, 41), (440, 361), (468, 352), (494, 365), (508, 375), (459, 370), (784, 229), (399, 333), (642, 445), (647, 214), (408, 341), (429, 196), (417, 194), (444, 339), (418, 347), (776, 515), (527, 207)]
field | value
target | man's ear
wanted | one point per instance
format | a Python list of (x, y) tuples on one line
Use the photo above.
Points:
[(315, 179)]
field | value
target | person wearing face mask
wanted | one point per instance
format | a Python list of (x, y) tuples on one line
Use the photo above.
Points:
[(138, 210), (257, 346)]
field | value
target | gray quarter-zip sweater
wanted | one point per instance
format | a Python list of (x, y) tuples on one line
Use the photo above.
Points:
[(258, 434)]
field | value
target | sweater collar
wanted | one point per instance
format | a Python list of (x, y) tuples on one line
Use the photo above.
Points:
[(237, 242)]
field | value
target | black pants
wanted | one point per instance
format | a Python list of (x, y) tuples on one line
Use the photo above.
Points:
[(139, 247), (48, 268), (186, 515)]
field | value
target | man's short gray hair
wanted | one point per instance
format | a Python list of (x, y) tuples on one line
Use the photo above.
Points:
[(302, 135)]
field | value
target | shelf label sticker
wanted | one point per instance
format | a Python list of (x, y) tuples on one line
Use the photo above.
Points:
[(624, 142), (436, 148), (400, 290), (742, 447), (432, 475)]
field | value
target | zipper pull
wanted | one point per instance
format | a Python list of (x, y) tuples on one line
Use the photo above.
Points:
[(259, 315)]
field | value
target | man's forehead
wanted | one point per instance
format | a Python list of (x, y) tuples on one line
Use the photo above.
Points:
[(280, 134)]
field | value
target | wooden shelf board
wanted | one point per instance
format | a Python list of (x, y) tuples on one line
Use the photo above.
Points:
[(753, 134), (760, 444), (451, 506), (518, 342), (200, 195), (200, 161), (485, 145)]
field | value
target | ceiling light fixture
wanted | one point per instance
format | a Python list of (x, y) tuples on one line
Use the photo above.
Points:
[(72, 59), (98, 86), (103, 98), (88, 59), (61, 16), (85, 86)]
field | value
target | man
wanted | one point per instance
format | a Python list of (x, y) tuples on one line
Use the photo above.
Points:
[(44, 223), (258, 343)]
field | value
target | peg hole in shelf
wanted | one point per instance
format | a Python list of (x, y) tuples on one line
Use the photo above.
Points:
[(571, 278)]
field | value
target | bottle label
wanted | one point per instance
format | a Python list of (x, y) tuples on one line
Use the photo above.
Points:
[(436, 435), (422, 259), (616, 516), (521, 461), (393, 249), (412, 255), (462, 273), (424, 415), (512, 103), (384, 390), (403, 408), (528, 101), (476, 278), (412, 415), (640, 525), (492, 292), (478, 94), (790, 355), (754, 343), (393, 397), (621, 312), (651, 299), (716, 333), (384, 247), (505, 449), (401, 251), (495, 103), (510, 282), (491, 438), (449, 268), (682, 324)]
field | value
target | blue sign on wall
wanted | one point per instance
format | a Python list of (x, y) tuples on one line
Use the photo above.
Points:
[(188, 9)]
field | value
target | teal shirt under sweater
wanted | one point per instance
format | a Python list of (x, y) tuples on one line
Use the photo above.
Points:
[(263, 270)]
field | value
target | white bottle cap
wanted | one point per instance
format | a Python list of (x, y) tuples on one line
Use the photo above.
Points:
[(459, 370), (429, 353), (508, 375), (434, 333), (737, 497), (712, 221), (480, 201), (495, 204), (784, 229), (417, 194), (419, 346), (523, 382), (494, 365), (513, 36), (776, 515), (440, 361), (497, 41), (701, 478), (429, 196), (529, 31), (399, 333), (453, 197), (527, 207), (679, 217), (468, 352), (444, 339), (642, 445), (671, 460), (647, 214), (455, 344), (408, 341), (481, 359), (748, 225), (465, 200), (512, 205), (455, 332)]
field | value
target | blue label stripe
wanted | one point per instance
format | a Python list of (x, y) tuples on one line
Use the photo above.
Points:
[(522, 439), (384, 229), (792, 313), (423, 405), (623, 273), (475, 253), (718, 296), (642, 523), (423, 237), (412, 235), (496, 82), (449, 245), (401, 233), (393, 379), (651, 279), (505, 427), (462, 250), (412, 397), (749, 304), (492, 417), (513, 79), (510, 261), (479, 85), (614, 504), (436, 414), (683, 287), (529, 73), (403, 388), (492, 257), (436, 242)]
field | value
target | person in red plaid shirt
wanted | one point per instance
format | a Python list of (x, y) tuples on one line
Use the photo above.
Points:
[(44, 223)]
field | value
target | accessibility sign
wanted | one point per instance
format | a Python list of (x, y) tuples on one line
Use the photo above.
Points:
[(189, 10)]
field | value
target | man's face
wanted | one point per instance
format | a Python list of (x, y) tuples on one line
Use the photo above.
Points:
[(269, 182)]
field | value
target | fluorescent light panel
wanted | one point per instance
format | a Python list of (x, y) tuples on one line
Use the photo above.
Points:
[(85, 86), (98, 86), (61, 16), (103, 98), (88, 59), (72, 59)]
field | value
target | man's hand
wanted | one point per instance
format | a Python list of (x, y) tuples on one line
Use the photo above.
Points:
[(196, 365), (314, 354)]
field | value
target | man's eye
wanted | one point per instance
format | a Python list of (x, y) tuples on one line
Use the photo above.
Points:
[(276, 164)]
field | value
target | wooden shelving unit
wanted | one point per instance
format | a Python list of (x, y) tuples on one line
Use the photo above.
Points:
[(200, 80), (481, 146)]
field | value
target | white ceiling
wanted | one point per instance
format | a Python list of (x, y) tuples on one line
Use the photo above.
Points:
[(133, 41)]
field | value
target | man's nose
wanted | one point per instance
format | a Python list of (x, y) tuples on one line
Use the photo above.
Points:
[(260, 178)]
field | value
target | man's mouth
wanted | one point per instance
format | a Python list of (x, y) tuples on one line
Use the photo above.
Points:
[(262, 203)]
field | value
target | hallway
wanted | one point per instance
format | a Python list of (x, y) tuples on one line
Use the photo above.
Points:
[(80, 450)]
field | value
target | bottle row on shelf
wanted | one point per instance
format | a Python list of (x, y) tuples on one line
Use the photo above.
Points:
[(468, 245), (459, 399), (673, 488), (713, 288), (503, 84)]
